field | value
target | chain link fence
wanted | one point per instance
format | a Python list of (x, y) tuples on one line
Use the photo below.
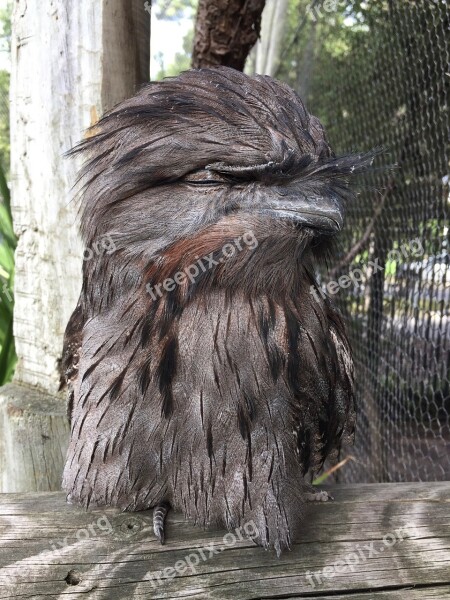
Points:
[(377, 75)]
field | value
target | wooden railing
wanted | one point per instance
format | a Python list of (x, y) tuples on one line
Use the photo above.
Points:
[(382, 541)]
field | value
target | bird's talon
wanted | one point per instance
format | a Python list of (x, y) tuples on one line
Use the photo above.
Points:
[(159, 517), (319, 496)]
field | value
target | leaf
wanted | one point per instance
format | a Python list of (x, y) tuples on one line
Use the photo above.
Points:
[(319, 480), (5, 354), (8, 241), (6, 228)]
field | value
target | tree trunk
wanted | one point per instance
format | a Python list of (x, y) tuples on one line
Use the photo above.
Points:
[(268, 48), (225, 32), (306, 63), (71, 62)]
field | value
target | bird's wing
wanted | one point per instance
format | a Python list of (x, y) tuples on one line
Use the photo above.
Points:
[(71, 354), (323, 387)]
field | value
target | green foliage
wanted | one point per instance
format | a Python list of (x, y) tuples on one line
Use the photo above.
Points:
[(182, 60), (7, 246), (173, 11), (8, 357), (374, 73)]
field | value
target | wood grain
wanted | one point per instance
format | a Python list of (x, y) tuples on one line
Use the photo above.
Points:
[(106, 555), (34, 433), (68, 59)]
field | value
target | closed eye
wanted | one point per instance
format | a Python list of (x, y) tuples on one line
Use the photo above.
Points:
[(205, 177)]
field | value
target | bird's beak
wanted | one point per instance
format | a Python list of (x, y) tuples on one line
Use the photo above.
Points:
[(324, 213)]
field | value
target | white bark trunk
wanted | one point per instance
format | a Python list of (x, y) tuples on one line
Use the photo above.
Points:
[(267, 49), (71, 62)]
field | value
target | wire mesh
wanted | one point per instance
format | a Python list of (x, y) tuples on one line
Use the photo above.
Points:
[(377, 75)]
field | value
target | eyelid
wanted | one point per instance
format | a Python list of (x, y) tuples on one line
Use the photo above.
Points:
[(204, 177)]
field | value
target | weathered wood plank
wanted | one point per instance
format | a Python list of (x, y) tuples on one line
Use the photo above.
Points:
[(49, 549), (434, 593)]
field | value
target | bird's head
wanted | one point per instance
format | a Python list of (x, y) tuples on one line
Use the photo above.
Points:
[(195, 161)]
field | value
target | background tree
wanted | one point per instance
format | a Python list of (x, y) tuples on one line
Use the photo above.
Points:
[(265, 56), (181, 10), (225, 32)]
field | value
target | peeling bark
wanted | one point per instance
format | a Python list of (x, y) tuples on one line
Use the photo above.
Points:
[(225, 32), (71, 62)]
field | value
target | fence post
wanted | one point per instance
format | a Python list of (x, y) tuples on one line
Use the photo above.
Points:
[(70, 63)]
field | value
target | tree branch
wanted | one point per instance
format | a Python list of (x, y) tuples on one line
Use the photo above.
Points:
[(225, 32), (361, 243)]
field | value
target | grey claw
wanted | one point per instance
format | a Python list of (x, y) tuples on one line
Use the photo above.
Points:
[(319, 496), (159, 517)]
